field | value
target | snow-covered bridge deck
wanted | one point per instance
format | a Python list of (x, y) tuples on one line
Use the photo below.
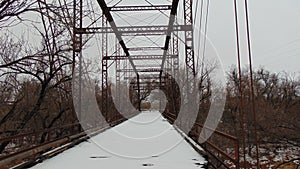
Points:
[(145, 141)]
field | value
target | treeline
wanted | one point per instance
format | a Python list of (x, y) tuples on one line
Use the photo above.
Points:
[(35, 81), (36, 72), (276, 104)]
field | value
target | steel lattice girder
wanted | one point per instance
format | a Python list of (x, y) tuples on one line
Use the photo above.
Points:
[(112, 23), (145, 48), (104, 70), (143, 78), (143, 70), (169, 31), (189, 49), (142, 30), (140, 8), (138, 57), (144, 85)]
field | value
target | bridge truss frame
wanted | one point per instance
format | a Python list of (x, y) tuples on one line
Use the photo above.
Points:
[(170, 49)]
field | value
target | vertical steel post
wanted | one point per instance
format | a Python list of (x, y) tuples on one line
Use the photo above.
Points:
[(118, 76), (160, 87), (104, 71), (77, 45), (189, 43), (139, 91), (175, 52), (189, 54)]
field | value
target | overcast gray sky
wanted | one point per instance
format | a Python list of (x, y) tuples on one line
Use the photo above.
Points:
[(274, 29), (275, 33)]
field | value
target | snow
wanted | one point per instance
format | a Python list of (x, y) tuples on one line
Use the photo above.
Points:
[(271, 155), (144, 141)]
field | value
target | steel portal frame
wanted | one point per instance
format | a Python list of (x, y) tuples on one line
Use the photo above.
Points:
[(170, 57)]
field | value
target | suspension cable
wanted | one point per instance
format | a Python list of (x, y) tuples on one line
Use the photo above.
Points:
[(240, 81), (199, 36), (205, 39), (251, 83)]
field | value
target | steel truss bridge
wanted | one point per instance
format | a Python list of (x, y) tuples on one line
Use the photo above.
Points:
[(152, 65), (145, 55), (166, 55)]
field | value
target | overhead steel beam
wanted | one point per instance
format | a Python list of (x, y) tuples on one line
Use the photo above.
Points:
[(145, 86), (113, 25), (145, 48), (145, 34), (141, 70), (125, 30), (143, 78), (147, 65), (145, 83), (169, 31), (140, 8), (138, 57)]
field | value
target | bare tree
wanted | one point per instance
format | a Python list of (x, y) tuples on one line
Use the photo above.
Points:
[(277, 101), (46, 68), (11, 11)]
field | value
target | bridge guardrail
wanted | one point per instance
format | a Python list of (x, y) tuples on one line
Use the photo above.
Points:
[(29, 149), (209, 146)]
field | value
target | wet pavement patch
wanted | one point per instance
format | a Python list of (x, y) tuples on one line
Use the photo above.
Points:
[(147, 164), (198, 164), (99, 157)]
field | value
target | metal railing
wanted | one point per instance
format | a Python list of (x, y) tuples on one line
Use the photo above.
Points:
[(28, 146), (210, 147), (213, 150)]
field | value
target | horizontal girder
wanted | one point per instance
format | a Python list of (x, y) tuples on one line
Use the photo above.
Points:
[(142, 70), (140, 8), (138, 57), (162, 29), (145, 48), (145, 77), (144, 86)]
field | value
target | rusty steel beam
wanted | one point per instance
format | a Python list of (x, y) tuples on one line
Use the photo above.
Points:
[(104, 76), (140, 8), (113, 25), (143, 78), (145, 34), (147, 65), (23, 155), (169, 31), (145, 48), (142, 70), (138, 57), (189, 42), (145, 82), (144, 85), (128, 30)]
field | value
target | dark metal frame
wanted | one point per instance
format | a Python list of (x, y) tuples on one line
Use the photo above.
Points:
[(170, 56)]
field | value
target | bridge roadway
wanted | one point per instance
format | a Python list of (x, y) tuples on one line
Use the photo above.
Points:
[(144, 141)]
